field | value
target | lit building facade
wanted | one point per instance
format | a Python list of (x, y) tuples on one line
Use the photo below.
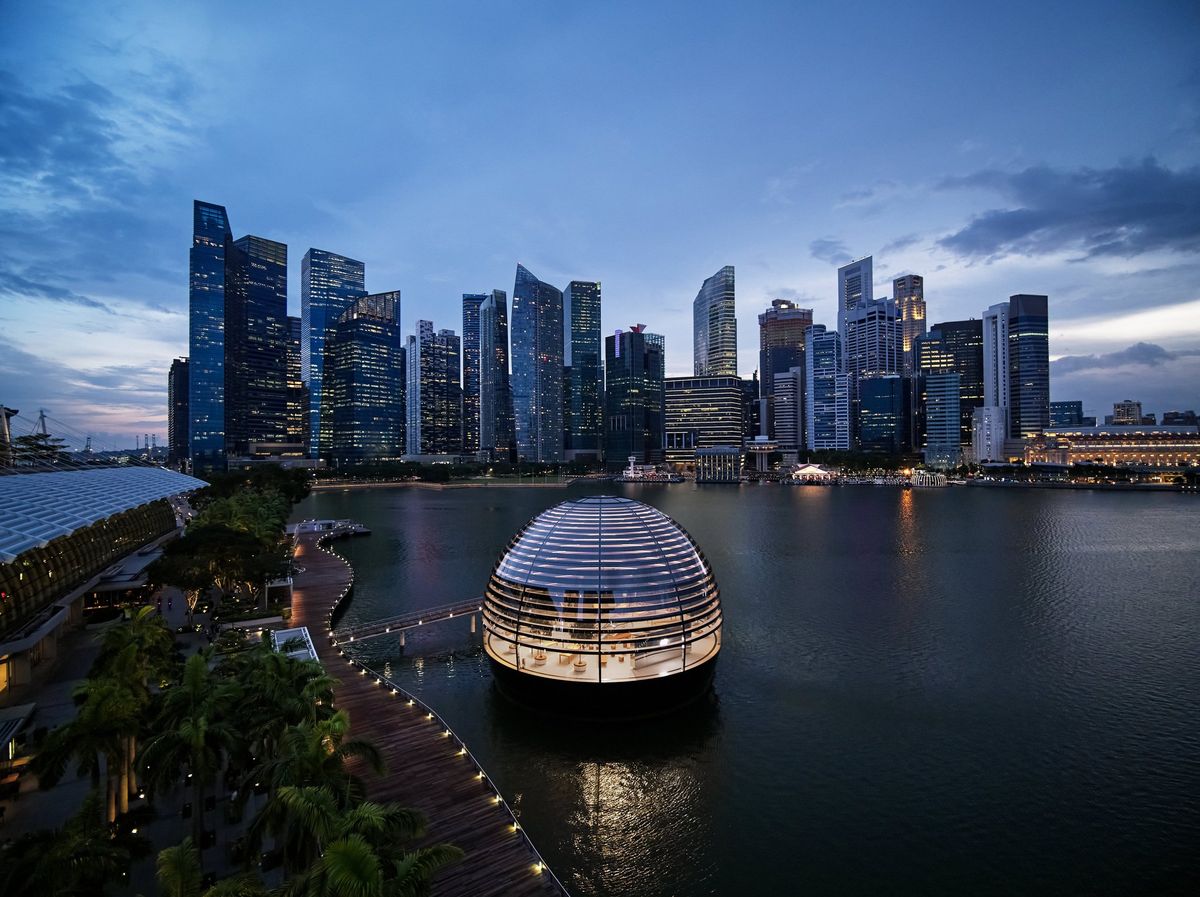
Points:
[(714, 326), (296, 429), (1029, 365), (1127, 412), (329, 285), (909, 293), (583, 374), (211, 236), (537, 368), (497, 441), (633, 395), (873, 341), (882, 413), (364, 395), (788, 409), (719, 464), (701, 412), (854, 286), (471, 370), (1133, 446), (827, 403), (943, 439), (177, 412), (434, 392), (955, 346), (781, 331), (1066, 414)]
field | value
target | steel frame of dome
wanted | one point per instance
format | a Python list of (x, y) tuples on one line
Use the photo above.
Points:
[(602, 591)]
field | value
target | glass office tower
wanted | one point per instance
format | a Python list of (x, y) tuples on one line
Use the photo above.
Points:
[(943, 445), (882, 423), (956, 346), (827, 401), (297, 392), (1028, 365), (909, 293), (714, 326), (633, 395), (537, 368), (496, 439), (363, 395), (471, 370), (583, 418), (434, 392), (177, 412), (329, 285), (211, 237), (701, 412), (1062, 414), (780, 348), (854, 286)]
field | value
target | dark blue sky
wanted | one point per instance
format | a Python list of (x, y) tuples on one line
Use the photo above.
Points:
[(1017, 148)]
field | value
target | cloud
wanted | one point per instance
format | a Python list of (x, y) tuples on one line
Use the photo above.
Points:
[(1146, 354), (14, 285), (900, 243), (828, 249), (1122, 212)]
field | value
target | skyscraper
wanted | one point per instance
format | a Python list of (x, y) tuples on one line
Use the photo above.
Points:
[(471, 370), (956, 346), (537, 368), (714, 326), (787, 403), (780, 348), (364, 394), (496, 437), (329, 285), (701, 412), (211, 236), (583, 417), (1028, 365), (1067, 414), (881, 419), (854, 286), (827, 403), (943, 419), (177, 412), (434, 393), (633, 396), (872, 341), (909, 293), (297, 392)]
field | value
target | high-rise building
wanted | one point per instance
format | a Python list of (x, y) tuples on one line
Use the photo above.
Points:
[(714, 326), (364, 395), (752, 422), (702, 412), (1176, 418), (882, 418), (434, 393), (992, 416), (1028, 365), (256, 337), (780, 347), (537, 368), (990, 435), (943, 438), (1127, 412), (955, 346), (297, 393), (854, 286), (1066, 414), (496, 436), (471, 370), (787, 409), (329, 285), (827, 402), (211, 236), (177, 412), (583, 416), (633, 393), (909, 293), (872, 341)]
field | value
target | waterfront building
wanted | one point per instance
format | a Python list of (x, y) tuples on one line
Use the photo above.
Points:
[(1029, 365), (177, 412), (854, 286), (780, 348), (701, 412), (583, 373), (565, 611), (364, 390), (434, 392), (719, 464), (633, 395), (989, 438), (1067, 414), (1126, 412), (954, 346), (873, 340), (296, 428), (827, 400), (329, 284), (714, 326), (788, 401), (909, 293), (471, 370), (883, 421), (211, 236), (497, 440), (943, 439), (1134, 445), (537, 368), (752, 421)]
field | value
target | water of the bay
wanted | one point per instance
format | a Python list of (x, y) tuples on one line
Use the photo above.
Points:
[(943, 691)]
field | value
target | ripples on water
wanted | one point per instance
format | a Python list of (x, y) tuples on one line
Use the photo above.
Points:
[(946, 691)]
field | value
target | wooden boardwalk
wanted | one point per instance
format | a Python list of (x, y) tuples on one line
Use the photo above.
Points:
[(427, 766)]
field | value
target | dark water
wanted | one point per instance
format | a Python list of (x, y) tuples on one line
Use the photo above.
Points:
[(944, 691)]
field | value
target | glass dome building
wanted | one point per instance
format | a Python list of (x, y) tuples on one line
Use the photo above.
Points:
[(604, 600)]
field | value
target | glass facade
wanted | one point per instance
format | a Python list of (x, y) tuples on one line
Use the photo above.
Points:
[(780, 348), (297, 392), (583, 416), (714, 326), (882, 423), (177, 411), (537, 368), (909, 293), (434, 392), (873, 342), (1069, 414), (940, 399), (956, 346), (601, 590), (206, 336), (1028, 365), (633, 396), (827, 403), (855, 285), (471, 370), (363, 406), (329, 284), (496, 438), (701, 412)]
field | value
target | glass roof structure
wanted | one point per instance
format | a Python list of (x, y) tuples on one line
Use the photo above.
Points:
[(602, 589), (38, 507)]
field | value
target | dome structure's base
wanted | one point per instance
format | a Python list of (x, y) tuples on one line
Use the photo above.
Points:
[(629, 699)]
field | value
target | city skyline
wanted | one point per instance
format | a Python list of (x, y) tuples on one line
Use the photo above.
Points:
[(1027, 194)]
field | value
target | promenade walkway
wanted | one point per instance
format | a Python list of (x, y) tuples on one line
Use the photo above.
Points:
[(427, 766)]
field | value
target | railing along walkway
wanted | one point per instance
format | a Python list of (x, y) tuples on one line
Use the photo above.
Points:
[(407, 621), (428, 766)]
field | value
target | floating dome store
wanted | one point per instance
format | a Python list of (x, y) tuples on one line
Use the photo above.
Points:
[(602, 604)]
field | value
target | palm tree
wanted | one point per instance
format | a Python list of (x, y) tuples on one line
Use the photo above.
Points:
[(179, 875)]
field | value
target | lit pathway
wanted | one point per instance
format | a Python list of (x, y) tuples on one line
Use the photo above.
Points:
[(427, 766)]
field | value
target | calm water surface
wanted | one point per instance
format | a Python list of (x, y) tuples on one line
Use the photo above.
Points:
[(944, 691)]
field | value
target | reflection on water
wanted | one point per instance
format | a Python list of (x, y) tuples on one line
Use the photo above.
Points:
[(927, 691)]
